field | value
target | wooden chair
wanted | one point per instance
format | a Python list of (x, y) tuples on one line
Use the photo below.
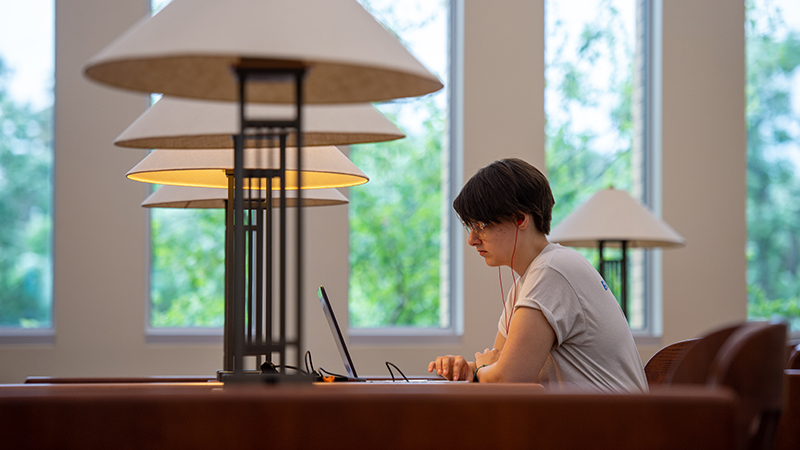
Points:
[(794, 355), (662, 363), (751, 362), (787, 436), (749, 359), (694, 365)]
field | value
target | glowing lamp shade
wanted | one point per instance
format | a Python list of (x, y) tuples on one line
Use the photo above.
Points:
[(323, 167), (189, 48), (196, 124), (208, 198), (613, 215)]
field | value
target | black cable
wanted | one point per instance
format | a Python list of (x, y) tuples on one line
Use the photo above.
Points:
[(269, 367), (309, 362), (331, 373), (389, 366)]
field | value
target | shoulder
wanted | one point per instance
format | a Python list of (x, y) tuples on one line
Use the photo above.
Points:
[(552, 269), (563, 260)]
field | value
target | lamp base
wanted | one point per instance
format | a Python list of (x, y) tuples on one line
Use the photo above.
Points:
[(256, 377)]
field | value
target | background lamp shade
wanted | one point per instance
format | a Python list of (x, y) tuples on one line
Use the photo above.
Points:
[(195, 124), (323, 167), (613, 215), (209, 198), (190, 46)]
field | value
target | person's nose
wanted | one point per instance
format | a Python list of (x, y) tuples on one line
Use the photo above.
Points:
[(473, 238)]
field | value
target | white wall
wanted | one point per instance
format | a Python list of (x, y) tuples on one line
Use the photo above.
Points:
[(100, 248)]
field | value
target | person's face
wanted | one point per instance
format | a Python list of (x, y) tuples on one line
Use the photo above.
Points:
[(494, 242)]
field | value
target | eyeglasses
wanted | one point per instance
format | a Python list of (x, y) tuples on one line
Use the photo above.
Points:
[(478, 227)]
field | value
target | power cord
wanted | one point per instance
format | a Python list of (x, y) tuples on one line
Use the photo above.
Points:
[(389, 366)]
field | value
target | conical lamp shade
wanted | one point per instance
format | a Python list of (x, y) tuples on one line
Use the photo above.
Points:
[(208, 198), (613, 215), (323, 167), (196, 124), (189, 48)]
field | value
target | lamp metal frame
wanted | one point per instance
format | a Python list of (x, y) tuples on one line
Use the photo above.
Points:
[(619, 268), (250, 325)]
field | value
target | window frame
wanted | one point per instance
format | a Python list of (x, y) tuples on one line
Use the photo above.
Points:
[(651, 71)]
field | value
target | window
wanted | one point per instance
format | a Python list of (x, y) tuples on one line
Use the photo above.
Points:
[(187, 263), (26, 159), (773, 159), (402, 206), (594, 105), (399, 276)]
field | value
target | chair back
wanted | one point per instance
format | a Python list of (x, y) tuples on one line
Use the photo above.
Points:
[(751, 362), (749, 359), (694, 365), (664, 361), (794, 355)]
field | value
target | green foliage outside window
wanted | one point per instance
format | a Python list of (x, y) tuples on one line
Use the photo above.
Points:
[(187, 268), (577, 164), (397, 219), (187, 263), (395, 230), (773, 179), (25, 212)]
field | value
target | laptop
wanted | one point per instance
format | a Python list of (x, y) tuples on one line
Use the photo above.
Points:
[(337, 333), (352, 375)]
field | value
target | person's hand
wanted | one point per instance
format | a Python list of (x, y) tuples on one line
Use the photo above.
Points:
[(454, 368), (488, 357)]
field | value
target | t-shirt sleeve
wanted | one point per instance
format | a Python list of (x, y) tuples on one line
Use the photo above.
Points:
[(548, 291)]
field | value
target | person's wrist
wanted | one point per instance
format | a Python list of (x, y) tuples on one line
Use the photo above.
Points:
[(475, 373)]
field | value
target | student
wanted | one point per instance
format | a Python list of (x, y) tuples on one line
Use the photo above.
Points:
[(561, 325)]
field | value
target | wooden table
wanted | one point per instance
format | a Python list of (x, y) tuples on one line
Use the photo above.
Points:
[(359, 416)]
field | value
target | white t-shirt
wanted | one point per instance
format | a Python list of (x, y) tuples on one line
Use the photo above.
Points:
[(594, 346)]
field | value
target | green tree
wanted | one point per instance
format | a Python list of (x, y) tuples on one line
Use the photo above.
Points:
[(26, 159), (576, 168), (773, 184), (395, 230), (396, 220), (187, 268), (589, 106)]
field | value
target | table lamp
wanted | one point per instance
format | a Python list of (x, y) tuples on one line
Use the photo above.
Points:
[(328, 168), (265, 51), (183, 197), (195, 124), (210, 198), (612, 218), (176, 123)]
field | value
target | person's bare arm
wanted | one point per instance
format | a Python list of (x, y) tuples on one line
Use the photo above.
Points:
[(521, 356)]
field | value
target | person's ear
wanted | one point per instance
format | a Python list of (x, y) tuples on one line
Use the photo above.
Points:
[(522, 221)]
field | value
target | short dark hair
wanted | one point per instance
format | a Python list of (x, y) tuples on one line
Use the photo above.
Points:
[(504, 189)]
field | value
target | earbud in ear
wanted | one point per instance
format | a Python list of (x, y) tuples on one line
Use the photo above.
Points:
[(519, 222)]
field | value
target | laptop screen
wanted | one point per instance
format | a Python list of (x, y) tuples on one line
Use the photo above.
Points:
[(337, 332)]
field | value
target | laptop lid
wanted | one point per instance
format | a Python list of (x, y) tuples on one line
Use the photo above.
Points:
[(337, 332)]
